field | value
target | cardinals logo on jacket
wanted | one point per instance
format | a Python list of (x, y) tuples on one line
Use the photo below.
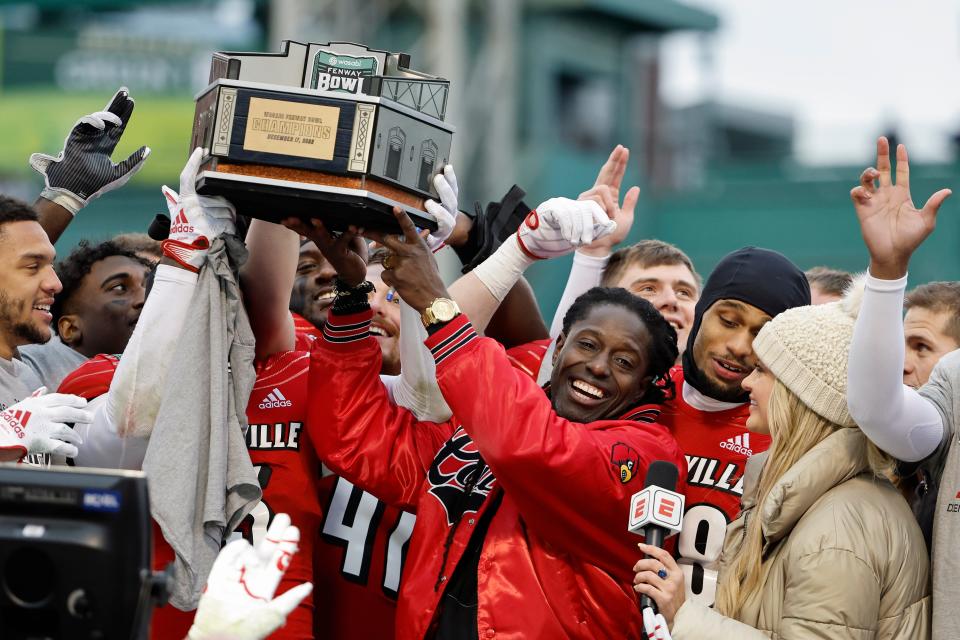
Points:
[(459, 478), (626, 460)]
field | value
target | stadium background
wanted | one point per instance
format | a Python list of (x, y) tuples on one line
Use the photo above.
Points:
[(543, 89)]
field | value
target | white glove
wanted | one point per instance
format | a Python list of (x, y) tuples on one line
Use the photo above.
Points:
[(38, 424), (238, 603), (446, 211), (555, 228), (83, 169), (560, 225), (195, 220)]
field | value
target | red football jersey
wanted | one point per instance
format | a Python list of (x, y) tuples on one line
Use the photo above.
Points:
[(358, 560), (303, 326), (287, 469), (353, 548), (360, 546), (716, 446)]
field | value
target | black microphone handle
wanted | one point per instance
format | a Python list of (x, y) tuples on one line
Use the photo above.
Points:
[(653, 536)]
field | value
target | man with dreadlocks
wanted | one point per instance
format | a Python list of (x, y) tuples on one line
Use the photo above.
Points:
[(709, 410), (520, 496)]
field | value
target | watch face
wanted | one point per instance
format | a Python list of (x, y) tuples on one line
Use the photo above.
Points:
[(443, 309)]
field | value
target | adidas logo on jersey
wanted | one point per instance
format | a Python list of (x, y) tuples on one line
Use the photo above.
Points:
[(738, 444), (180, 224), (274, 400)]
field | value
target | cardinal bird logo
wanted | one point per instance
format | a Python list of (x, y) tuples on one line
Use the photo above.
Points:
[(626, 460)]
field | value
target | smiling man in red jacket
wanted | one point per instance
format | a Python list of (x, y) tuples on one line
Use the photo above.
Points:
[(522, 497)]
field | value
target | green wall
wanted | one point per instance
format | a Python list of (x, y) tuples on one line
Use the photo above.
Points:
[(804, 213)]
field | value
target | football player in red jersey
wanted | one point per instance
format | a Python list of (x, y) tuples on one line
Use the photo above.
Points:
[(312, 292), (708, 417), (354, 543)]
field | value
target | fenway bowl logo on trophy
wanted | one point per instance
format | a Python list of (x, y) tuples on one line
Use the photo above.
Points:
[(337, 131), (341, 73)]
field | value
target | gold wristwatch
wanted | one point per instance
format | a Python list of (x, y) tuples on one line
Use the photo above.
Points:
[(440, 310)]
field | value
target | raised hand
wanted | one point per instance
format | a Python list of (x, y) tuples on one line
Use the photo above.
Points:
[(892, 227), (606, 192), (238, 602), (346, 253), (195, 220), (83, 169), (410, 268), (446, 210), (560, 225)]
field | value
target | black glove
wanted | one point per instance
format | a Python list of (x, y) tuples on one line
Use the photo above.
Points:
[(491, 227), (83, 170)]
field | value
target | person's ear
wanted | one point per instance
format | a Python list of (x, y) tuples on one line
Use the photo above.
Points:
[(70, 330), (558, 348)]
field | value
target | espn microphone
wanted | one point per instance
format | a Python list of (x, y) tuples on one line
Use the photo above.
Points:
[(656, 512)]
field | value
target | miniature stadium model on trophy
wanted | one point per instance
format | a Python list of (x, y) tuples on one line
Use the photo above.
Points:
[(336, 131)]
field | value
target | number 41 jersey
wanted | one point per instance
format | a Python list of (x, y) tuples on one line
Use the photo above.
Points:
[(717, 446), (352, 545)]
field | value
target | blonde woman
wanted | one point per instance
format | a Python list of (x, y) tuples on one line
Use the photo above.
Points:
[(824, 547)]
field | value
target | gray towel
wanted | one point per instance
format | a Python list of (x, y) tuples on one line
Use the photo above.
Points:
[(201, 481)]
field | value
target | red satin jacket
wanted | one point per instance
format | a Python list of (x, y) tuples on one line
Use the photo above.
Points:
[(557, 557)]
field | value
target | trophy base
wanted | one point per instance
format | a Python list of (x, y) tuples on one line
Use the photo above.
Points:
[(274, 200)]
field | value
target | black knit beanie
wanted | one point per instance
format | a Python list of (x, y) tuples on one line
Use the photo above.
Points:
[(759, 277)]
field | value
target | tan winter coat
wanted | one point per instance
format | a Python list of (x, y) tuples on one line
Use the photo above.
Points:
[(844, 557)]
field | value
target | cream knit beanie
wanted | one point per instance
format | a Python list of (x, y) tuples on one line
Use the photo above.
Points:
[(806, 348)]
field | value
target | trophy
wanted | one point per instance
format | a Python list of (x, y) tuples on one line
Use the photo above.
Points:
[(335, 131)]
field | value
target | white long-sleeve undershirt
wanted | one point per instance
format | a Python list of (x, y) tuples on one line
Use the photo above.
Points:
[(895, 417), (102, 447), (416, 387), (124, 416), (585, 274)]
